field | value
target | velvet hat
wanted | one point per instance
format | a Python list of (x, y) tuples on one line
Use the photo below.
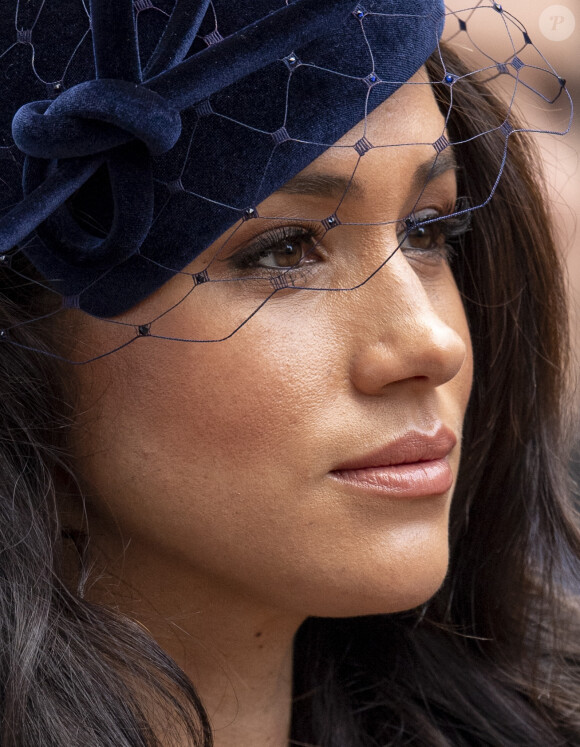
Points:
[(162, 124)]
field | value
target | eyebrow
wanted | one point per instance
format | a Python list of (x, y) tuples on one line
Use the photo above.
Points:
[(335, 185), (429, 170)]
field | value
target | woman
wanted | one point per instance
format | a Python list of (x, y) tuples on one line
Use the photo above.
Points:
[(267, 535)]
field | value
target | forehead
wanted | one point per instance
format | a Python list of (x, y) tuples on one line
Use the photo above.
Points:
[(410, 116), (396, 138)]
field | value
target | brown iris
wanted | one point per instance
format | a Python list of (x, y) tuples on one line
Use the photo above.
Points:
[(426, 237), (288, 252)]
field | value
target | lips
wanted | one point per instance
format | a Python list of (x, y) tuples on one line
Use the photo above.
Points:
[(414, 446), (414, 465)]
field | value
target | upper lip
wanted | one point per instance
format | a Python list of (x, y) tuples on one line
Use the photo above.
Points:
[(414, 446)]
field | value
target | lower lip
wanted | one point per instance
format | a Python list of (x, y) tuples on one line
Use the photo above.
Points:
[(416, 480)]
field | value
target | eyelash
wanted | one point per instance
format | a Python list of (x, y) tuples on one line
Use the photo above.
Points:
[(449, 229)]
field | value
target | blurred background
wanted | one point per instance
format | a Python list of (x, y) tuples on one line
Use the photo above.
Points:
[(554, 28)]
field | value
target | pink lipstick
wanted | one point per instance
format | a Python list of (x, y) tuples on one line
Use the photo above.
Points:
[(413, 466)]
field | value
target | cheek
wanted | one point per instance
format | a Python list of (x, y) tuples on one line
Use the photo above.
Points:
[(206, 456), (208, 418), (241, 402)]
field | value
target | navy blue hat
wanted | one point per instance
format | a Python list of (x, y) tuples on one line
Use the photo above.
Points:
[(165, 124)]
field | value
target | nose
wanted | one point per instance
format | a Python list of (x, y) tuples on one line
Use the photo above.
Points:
[(411, 332)]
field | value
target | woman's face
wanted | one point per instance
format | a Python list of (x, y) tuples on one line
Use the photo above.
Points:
[(308, 462)]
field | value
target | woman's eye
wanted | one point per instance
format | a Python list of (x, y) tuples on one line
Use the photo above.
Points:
[(426, 237), (281, 249), (288, 253), (436, 236)]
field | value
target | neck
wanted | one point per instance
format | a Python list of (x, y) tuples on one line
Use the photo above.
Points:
[(240, 661), (236, 651)]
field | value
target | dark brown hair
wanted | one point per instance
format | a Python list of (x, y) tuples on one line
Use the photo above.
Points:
[(493, 658)]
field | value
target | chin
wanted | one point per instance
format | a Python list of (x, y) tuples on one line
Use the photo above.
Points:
[(384, 590)]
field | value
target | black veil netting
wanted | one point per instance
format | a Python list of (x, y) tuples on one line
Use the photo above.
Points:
[(139, 140)]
